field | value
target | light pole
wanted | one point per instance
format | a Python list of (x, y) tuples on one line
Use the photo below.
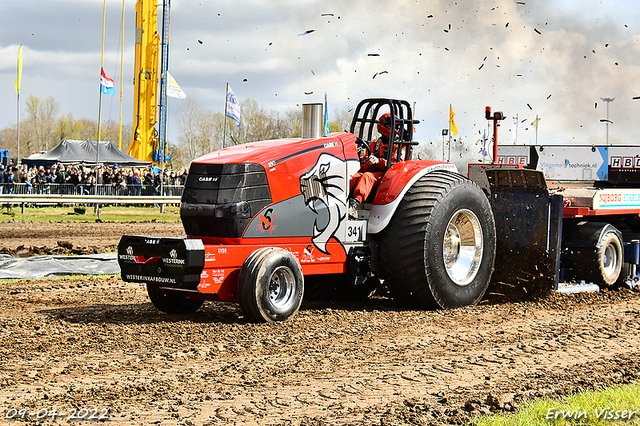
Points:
[(607, 121), (445, 132)]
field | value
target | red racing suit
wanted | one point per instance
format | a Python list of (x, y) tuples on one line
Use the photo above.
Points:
[(369, 176)]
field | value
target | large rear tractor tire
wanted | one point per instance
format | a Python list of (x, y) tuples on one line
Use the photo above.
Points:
[(270, 285), (173, 302), (438, 250)]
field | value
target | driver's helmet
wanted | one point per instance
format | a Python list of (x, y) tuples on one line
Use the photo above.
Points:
[(384, 125)]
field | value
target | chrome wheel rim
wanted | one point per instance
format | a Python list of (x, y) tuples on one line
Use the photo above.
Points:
[(610, 259), (282, 286), (462, 248)]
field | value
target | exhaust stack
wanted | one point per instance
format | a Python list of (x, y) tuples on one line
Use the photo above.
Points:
[(311, 121)]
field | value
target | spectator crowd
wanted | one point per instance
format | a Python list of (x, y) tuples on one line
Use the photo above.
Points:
[(74, 179)]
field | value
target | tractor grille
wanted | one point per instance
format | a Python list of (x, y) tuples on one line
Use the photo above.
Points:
[(220, 199)]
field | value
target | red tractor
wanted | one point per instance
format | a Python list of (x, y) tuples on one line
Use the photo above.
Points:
[(267, 222)]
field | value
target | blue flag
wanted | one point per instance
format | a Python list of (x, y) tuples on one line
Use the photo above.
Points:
[(326, 115), (233, 106)]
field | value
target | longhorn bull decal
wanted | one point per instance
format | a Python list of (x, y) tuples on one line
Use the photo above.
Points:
[(325, 183)]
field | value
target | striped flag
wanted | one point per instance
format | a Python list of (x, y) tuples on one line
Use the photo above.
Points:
[(106, 84)]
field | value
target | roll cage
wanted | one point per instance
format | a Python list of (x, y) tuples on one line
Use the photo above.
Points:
[(365, 121)]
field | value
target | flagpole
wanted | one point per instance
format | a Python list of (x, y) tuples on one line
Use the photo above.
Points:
[(224, 132), (18, 82), (104, 15), (164, 70), (121, 67), (450, 109), (99, 118), (18, 108)]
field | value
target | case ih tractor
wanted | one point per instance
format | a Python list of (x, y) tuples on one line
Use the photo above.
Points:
[(266, 223)]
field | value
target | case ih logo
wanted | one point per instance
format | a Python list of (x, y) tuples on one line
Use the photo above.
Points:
[(631, 163)]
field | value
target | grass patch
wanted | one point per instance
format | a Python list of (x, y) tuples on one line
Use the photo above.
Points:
[(614, 405), (70, 213)]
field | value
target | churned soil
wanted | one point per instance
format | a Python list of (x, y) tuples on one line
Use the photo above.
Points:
[(23, 239), (98, 343)]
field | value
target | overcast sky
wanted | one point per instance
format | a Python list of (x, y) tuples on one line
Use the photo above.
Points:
[(551, 58)]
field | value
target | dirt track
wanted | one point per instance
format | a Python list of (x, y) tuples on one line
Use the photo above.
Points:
[(99, 343), (30, 238)]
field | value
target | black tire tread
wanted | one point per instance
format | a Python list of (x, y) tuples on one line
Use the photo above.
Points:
[(405, 241), (246, 296), (585, 265)]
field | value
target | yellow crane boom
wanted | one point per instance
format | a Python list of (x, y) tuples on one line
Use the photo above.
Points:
[(146, 74)]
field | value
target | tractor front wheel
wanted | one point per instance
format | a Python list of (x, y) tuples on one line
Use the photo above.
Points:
[(439, 248), (270, 285)]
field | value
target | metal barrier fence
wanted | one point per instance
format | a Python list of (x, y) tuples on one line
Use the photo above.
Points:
[(69, 189), (96, 195)]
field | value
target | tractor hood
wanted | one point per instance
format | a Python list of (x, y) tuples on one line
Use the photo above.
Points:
[(273, 152), (227, 188)]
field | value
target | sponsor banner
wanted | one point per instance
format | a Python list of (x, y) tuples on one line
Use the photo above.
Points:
[(616, 199), (513, 160), (559, 162), (625, 163)]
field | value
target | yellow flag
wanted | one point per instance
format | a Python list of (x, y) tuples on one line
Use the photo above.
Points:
[(19, 79), (452, 122), (535, 122)]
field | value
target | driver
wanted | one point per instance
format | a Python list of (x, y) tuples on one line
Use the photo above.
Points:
[(372, 167)]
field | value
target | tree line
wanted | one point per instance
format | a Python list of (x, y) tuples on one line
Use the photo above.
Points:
[(44, 127), (199, 130)]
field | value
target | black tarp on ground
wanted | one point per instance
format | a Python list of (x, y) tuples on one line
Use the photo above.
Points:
[(78, 152)]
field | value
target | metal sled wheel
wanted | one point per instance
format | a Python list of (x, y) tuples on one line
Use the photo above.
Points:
[(598, 257), (270, 285), (609, 257)]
